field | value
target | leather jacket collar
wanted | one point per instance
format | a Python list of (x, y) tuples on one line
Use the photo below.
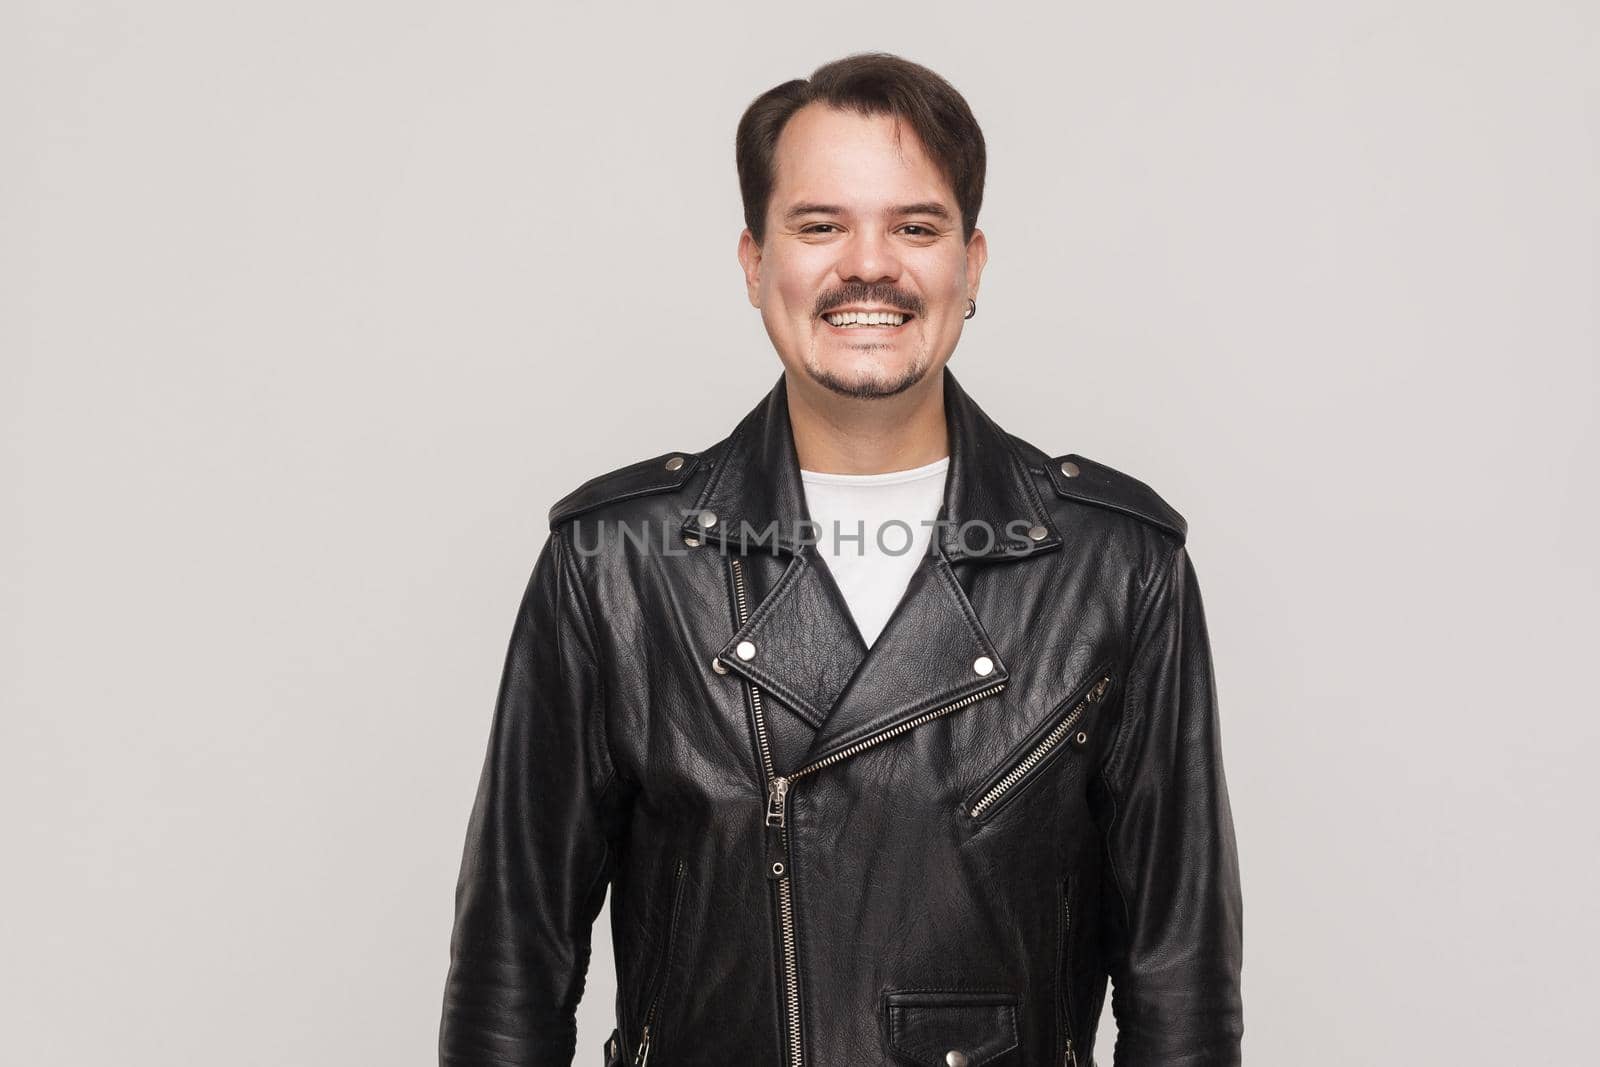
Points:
[(755, 497)]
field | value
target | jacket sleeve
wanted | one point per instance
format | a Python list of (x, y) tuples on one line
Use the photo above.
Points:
[(1175, 922), (539, 850)]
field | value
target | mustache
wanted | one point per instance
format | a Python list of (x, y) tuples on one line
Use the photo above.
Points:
[(868, 294)]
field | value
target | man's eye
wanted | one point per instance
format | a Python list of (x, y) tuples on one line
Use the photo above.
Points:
[(913, 229)]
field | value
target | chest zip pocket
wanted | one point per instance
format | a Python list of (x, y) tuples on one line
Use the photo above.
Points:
[(1037, 750), (663, 966)]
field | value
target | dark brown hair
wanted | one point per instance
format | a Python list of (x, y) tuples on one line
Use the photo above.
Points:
[(869, 83)]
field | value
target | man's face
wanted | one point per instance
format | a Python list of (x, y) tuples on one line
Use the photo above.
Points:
[(859, 221)]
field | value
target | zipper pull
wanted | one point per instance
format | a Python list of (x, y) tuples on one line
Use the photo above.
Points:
[(777, 792), (1072, 1057), (777, 845), (644, 1047)]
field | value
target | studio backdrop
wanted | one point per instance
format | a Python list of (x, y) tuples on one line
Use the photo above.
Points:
[(311, 310)]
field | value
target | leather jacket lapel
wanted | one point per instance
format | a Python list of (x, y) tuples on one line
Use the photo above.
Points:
[(803, 645), (932, 652), (799, 642)]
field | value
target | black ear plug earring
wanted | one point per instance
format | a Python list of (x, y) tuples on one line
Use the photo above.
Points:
[(972, 308)]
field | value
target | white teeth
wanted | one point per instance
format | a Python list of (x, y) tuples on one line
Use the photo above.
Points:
[(858, 318)]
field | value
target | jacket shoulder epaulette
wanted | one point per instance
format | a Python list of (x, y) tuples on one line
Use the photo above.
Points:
[(1077, 477), (659, 474)]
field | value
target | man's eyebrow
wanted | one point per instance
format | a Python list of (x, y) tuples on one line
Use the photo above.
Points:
[(925, 207)]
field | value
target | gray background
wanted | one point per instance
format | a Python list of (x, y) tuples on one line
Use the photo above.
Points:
[(312, 309)]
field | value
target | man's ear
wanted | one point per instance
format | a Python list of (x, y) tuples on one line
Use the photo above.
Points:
[(750, 262), (977, 256)]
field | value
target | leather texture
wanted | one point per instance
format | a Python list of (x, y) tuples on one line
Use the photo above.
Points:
[(1015, 794)]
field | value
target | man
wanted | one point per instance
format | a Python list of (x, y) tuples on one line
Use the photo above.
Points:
[(856, 807)]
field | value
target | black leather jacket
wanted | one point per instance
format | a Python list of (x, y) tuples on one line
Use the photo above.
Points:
[(934, 852)]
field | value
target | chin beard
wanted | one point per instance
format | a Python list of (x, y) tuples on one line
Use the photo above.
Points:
[(870, 386)]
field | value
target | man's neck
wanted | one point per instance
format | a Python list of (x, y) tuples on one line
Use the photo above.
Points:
[(845, 435)]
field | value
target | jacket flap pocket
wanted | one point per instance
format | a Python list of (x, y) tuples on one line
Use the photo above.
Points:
[(927, 1026)]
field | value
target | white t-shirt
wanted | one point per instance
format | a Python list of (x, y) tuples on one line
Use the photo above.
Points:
[(873, 530)]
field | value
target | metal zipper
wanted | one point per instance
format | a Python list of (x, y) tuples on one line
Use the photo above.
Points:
[(777, 852), (662, 964), (1039, 751), (1070, 1057)]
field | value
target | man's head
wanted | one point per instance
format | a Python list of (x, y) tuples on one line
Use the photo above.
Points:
[(861, 190)]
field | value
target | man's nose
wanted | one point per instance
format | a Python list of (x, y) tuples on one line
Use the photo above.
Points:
[(868, 257)]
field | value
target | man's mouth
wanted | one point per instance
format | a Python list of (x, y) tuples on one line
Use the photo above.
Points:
[(867, 320)]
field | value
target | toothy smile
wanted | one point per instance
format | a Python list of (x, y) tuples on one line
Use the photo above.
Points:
[(856, 319)]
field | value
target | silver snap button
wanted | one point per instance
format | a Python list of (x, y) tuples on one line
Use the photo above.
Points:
[(956, 1058), (674, 463), (718, 666), (1069, 468), (983, 664), (708, 518), (746, 650), (1037, 532)]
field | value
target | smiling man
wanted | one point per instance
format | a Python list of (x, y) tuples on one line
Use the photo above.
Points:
[(907, 739), (870, 261)]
